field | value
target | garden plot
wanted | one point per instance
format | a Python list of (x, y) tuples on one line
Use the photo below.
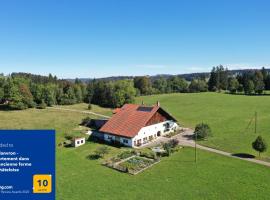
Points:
[(132, 162)]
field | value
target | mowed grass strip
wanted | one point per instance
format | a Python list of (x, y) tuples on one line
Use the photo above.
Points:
[(228, 115)]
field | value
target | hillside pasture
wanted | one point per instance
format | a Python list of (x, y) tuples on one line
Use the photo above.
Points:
[(228, 115)]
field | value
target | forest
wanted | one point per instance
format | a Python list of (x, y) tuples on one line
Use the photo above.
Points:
[(24, 90)]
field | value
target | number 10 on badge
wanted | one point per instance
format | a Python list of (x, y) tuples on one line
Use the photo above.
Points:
[(42, 183)]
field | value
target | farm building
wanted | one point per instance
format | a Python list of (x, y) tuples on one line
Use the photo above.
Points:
[(76, 142), (134, 125)]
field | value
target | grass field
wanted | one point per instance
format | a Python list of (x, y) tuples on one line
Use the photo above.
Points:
[(176, 177), (228, 116)]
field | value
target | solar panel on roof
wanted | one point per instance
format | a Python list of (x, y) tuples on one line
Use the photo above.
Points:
[(145, 109)]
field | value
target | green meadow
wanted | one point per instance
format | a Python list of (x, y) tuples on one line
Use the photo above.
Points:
[(176, 177), (228, 116)]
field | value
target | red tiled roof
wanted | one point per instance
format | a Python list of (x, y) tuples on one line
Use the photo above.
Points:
[(129, 120)]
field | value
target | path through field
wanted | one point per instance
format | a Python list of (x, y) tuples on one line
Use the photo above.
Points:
[(80, 111), (185, 140)]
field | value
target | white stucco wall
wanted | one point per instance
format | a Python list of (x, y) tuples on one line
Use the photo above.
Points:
[(110, 138), (152, 130), (78, 142), (145, 132)]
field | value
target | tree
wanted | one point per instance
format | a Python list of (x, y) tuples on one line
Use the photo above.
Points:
[(78, 93), (249, 87), (267, 82), (177, 84), (168, 148), (233, 85), (259, 145), (198, 85), (202, 131), (218, 79), (27, 97), (160, 84), (143, 83), (212, 82), (258, 82), (101, 151), (48, 94)]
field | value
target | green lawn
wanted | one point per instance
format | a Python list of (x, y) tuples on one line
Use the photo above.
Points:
[(228, 115), (176, 177)]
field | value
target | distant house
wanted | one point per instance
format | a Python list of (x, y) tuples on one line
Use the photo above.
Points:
[(134, 125)]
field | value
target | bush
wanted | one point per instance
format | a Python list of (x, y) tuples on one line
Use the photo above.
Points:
[(86, 121), (259, 145), (32, 104), (89, 106), (101, 151), (42, 105), (150, 154), (202, 131), (126, 154), (173, 143), (18, 105), (167, 147)]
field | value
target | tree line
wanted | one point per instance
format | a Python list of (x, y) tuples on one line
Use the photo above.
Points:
[(249, 82), (24, 90)]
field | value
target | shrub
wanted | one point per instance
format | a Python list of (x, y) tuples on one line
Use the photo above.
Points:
[(68, 136), (259, 145), (202, 131), (173, 143), (101, 151), (42, 105), (86, 121), (168, 148), (126, 154), (89, 106), (17, 105)]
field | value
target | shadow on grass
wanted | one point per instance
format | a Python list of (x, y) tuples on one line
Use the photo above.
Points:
[(93, 157), (243, 155), (98, 140), (4, 107)]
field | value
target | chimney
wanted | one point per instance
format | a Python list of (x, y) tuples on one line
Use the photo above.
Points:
[(158, 103)]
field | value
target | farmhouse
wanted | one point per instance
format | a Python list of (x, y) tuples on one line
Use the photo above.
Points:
[(134, 125)]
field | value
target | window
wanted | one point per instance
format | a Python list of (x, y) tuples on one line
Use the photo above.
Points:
[(145, 139), (109, 138), (125, 141), (81, 141), (78, 142)]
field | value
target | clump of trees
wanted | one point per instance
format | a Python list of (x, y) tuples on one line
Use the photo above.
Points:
[(21, 91), (259, 145), (249, 82), (175, 84), (202, 131)]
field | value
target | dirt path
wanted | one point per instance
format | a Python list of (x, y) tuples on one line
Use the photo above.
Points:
[(185, 140), (80, 111)]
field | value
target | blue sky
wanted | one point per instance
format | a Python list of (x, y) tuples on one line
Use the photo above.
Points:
[(139, 37)]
